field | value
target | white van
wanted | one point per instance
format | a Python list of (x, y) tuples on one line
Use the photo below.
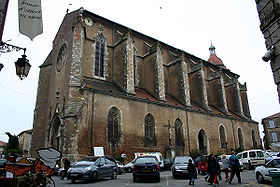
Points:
[(157, 154), (251, 158)]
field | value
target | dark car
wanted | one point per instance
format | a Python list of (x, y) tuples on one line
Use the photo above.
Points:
[(146, 167), (167, 163), (88, 170), (179, 167), (2, 167)]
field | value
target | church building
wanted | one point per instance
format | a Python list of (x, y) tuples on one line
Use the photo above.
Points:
[(107, 85)]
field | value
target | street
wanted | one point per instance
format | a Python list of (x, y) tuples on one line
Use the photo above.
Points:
[(248, 180)]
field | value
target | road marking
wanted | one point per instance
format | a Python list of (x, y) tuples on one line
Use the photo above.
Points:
[(128, 183), (166, 179)]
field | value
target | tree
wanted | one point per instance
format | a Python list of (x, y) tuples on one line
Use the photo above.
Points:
[(12, 147)]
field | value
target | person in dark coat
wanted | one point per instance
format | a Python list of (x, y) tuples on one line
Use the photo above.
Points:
[(66, 167), (214, 170), (192, 170)]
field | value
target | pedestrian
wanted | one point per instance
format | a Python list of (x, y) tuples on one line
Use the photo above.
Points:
[(214, 171), (225, 166), (207, 177), (66, 167), (192, 170), (235, 167)]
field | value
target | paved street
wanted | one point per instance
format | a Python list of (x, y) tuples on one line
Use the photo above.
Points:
[(248, 180)]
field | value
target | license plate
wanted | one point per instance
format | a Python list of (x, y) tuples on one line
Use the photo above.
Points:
[(184, 171), (74, 174), (146, 170)]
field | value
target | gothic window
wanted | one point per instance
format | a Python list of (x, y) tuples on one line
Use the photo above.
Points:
[(61, 58), (114, 126), (222, 137), (99, 56), (150, 136), (179, 136), (240, 138)]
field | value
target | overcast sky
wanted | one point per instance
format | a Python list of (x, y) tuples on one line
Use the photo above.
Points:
[(190, 25)]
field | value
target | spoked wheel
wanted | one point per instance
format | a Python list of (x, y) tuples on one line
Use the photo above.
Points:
[(115, 174), (260, 178)]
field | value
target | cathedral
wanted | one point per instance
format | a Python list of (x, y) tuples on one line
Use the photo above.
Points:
[(107, 85)]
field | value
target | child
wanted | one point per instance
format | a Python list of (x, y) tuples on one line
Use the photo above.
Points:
[(191, 169)]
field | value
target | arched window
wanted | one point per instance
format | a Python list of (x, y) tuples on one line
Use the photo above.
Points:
[(150, 136), (240, 138), (179, 135), (222, 137), (114, 126), (254, 141), (202, 142), (99, 56)]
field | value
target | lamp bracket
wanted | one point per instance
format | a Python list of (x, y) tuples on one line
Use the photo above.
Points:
[(5, 48)]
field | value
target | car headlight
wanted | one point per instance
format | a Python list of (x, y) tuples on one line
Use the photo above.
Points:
[(87, 169)]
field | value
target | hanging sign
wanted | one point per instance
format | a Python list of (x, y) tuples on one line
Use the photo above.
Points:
[(30, 18)]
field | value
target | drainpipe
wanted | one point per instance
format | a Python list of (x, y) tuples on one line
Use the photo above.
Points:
[(188, 132), (92, 126), (233, 131), (113, 50)]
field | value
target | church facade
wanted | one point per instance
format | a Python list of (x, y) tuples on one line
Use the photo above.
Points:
[(106, 85)]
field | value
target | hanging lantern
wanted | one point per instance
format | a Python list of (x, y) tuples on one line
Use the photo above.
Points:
[(22, 67)]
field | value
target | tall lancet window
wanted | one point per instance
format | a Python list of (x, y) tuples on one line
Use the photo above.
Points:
[(150, 135), (99, 56)]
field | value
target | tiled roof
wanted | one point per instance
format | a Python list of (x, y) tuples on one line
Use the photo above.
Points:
[(273, 116), (216, 60)]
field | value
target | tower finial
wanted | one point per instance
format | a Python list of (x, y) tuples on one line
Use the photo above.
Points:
[(212, 49)]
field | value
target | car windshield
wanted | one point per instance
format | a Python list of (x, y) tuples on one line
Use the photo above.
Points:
[(82, 164), (182, 160), (274, 163), (150, 160)]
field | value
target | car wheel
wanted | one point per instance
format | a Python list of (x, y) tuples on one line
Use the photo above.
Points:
[(174, 175), (129, 170), (260, 178), (158, 179), (134, 179), (94, 176), (115, 174), (73, 181)]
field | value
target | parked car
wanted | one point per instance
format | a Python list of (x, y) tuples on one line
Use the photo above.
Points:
[(146, 167), (156, 154), (167, 163), (2, 167), (88, 170), (201, 163), (251, 158), (262, 172), (179, 167), (128, 167), (120, 167), (227, 156)]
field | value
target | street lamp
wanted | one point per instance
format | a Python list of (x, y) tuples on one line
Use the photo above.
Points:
[(22, 64)]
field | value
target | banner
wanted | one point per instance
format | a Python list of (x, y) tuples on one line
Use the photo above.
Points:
[(30, 18)]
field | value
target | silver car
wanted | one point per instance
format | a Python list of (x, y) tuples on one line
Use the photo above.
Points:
[(262, 172)]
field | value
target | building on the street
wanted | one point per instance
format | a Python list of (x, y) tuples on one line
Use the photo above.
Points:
[(271, 126), (24, 141), (2, 147), (106, 85), (269, 14)]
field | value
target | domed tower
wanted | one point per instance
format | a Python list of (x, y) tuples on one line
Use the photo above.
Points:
[(214, 59)]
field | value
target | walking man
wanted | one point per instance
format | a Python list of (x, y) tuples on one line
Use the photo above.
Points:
[(66, 167), (235, 167), (191, 169)]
